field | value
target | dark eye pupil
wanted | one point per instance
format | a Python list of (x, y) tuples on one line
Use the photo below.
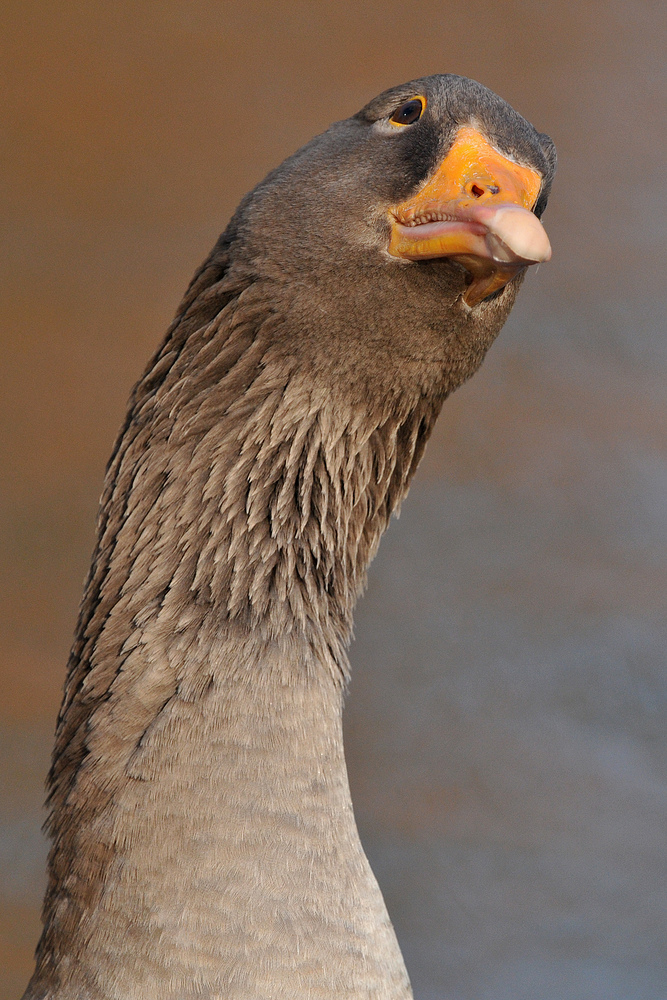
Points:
[(408, 113)]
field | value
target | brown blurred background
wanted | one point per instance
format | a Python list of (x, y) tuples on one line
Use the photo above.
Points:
[(506, 724)]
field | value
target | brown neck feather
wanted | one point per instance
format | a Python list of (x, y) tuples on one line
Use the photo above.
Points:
[(242, 505)]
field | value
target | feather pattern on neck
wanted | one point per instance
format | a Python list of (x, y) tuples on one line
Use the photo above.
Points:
[(243, 501)]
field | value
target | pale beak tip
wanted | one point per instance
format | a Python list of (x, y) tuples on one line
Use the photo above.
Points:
[(520, 233)]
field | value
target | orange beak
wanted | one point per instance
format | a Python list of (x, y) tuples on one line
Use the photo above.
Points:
[(477, 211)]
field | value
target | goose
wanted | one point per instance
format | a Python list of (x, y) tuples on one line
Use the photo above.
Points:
[(203, 842)]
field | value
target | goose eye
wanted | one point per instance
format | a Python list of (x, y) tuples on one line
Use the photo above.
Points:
[(409, 112)]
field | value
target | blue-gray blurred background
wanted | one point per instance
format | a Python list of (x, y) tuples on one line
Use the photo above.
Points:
[(506, 723)]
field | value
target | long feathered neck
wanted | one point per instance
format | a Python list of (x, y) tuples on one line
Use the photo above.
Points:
[(242, 505)]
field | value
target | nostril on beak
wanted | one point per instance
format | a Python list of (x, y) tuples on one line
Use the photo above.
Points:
[(477, 190)]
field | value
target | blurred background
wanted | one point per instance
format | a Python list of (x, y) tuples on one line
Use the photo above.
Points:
[(506, 722)]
